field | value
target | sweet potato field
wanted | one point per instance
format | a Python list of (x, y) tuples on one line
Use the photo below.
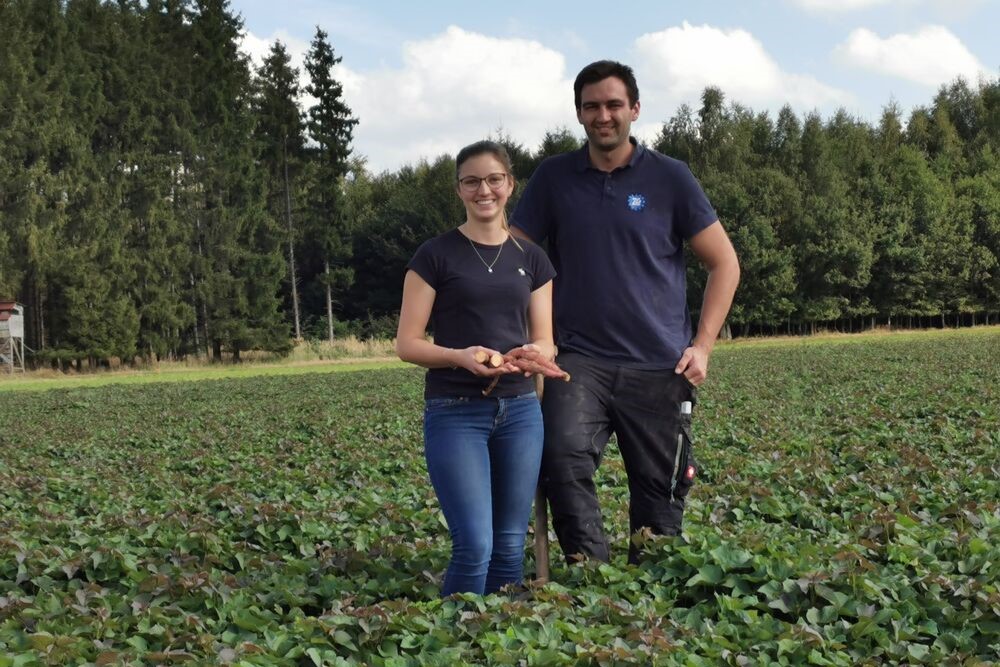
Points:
[(847, 513)]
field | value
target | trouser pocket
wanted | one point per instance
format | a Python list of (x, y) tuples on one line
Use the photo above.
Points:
[(685, 466)]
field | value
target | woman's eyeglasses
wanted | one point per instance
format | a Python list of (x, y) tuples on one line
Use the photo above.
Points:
[(471, 183)]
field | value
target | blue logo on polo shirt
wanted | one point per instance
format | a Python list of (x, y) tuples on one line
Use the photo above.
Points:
[(636, 202)]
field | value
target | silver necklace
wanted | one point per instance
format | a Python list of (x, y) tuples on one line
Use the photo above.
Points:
[(489, 266)]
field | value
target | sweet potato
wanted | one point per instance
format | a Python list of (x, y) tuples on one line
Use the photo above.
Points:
[(528, 361), (494, 360)]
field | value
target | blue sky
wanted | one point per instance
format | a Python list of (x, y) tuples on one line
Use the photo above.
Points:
[(426, 78)]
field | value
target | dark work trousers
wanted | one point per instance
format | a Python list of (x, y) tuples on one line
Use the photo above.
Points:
[(641, 407)]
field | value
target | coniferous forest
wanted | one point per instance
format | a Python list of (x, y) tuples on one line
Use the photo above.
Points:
[(162, 197)]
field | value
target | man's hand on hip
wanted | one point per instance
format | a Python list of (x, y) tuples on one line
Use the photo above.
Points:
[(693, 365)]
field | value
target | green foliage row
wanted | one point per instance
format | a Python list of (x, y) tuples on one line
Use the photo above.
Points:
[(847, 513)]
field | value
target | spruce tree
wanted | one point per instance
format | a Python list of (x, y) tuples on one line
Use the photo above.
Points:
[(15, 59), (239, 264), (331, 126), (281, 141), (161, 149), (44, 149)]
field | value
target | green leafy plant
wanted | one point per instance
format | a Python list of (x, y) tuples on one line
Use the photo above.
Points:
[(848, 513)]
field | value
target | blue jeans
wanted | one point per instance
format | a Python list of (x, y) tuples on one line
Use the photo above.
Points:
[(483, 456)]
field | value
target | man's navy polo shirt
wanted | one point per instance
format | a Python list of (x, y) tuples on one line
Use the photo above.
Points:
[(616, 241)]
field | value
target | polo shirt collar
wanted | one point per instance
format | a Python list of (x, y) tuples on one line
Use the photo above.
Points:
[(583, 155)]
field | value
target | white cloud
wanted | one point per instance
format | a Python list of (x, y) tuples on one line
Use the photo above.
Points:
[(255, 47), (452, 89), (930, 57), (455, 88), (675, 65), (258, 48)]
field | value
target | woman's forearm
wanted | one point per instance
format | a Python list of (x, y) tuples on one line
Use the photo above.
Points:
[(423, 352)]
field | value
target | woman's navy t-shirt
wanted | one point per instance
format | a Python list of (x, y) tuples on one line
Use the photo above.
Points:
[(473, 306)]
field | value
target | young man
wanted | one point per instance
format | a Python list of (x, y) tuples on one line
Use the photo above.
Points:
[(615, 215)]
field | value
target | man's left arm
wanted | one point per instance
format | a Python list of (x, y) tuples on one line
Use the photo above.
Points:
[(713, 248)]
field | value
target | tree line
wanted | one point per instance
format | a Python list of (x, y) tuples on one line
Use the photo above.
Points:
[(160, 196), (839, 223)]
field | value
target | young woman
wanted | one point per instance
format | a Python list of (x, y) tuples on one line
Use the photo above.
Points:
[(482, 291)]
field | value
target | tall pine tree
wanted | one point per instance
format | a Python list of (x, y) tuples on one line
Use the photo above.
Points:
[(281, 142), (331, 126), (238, 244)]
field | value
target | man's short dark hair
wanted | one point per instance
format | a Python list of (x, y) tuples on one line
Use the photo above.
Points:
[(601, 70)]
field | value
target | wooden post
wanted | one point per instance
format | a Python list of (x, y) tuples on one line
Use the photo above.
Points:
[(541, 536), (541, 516)]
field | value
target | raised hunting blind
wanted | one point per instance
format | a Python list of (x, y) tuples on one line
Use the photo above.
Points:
[(11, 336)]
